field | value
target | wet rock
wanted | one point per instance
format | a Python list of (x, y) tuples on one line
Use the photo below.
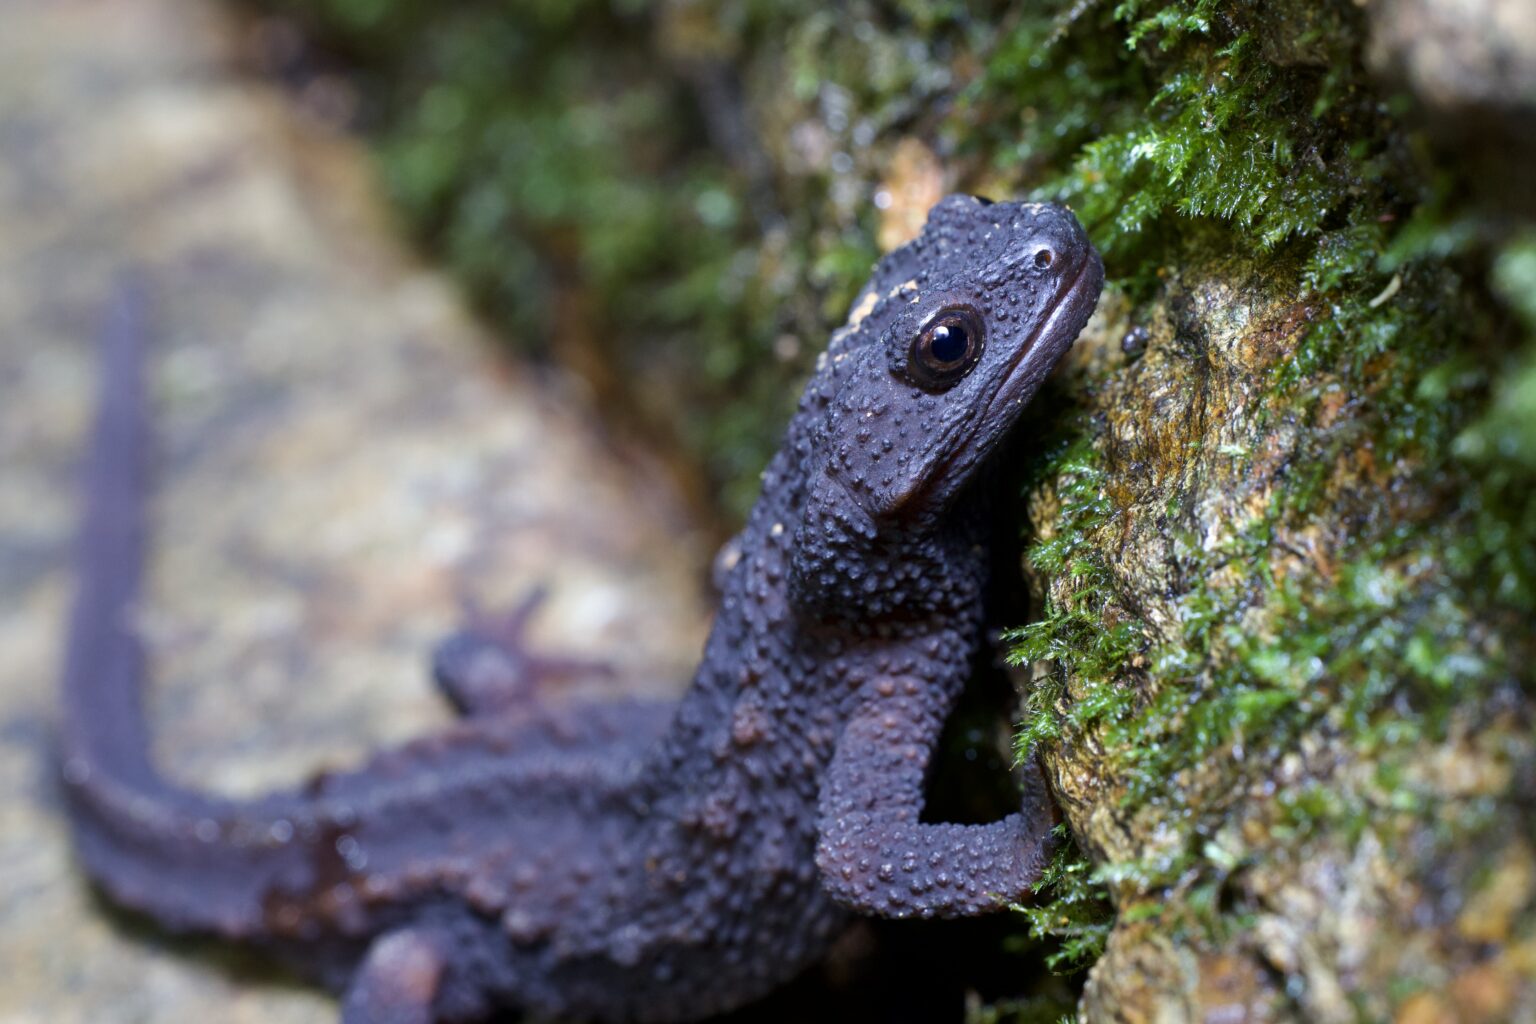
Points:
[(1471, 64)]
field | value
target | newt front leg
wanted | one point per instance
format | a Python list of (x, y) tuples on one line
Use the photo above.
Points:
[(874, 854)]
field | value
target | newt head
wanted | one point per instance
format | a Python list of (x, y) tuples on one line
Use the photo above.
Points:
[(960, 327)]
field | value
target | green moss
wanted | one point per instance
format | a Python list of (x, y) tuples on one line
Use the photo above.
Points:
[(1081, 632), (1071, 913), (1184, 122), (1147, 117), (567, 176)]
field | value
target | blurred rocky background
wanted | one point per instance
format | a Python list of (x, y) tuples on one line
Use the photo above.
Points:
[(343, 458), (1279, 517)]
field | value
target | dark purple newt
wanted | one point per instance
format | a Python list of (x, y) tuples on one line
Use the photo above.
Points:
[(624, 861)]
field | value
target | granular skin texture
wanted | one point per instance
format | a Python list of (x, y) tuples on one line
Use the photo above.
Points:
[(626, 860)]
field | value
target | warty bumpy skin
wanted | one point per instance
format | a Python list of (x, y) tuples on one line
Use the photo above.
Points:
[(629, 861)]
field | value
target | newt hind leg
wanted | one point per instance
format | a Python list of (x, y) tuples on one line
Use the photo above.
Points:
[(487, 668), (398, 982)]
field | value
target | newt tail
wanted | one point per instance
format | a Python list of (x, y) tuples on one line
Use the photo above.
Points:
[(104, 727), (134, 829)]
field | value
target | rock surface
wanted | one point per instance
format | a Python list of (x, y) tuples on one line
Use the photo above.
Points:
[(1296, 830), (342, 458)]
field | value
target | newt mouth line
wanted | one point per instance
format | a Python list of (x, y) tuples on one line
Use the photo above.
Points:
[(1061, 301)]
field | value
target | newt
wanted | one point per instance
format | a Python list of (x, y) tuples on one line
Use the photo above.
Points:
[(631, 861)]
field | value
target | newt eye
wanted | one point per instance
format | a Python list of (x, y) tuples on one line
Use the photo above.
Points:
[(946, 348)]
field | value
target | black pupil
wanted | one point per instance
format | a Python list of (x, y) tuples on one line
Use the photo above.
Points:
[(949, 343)]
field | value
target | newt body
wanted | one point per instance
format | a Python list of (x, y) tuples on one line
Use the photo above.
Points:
[(628, 861)]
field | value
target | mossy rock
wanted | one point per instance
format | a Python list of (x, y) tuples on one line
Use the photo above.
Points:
[(1286, 721)]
